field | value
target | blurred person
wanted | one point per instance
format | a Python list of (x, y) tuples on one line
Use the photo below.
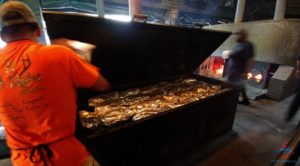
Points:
[(38, 93), (295, 104), (240, 63)]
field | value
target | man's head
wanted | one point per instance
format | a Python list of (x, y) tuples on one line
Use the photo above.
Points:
[(242, 35), (17, 22)]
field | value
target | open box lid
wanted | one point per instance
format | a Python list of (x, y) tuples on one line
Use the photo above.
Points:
[(133, 52)]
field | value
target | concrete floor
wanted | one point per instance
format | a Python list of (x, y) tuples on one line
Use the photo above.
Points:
[(259, 130)]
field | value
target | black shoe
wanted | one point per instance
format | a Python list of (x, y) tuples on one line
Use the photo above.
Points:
[(245, 102)]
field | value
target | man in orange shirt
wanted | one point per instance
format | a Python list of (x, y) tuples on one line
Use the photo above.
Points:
[(37, 93)]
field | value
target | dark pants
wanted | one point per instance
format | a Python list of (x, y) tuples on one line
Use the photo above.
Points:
[(244, 95), (238, 79), (295, 103)]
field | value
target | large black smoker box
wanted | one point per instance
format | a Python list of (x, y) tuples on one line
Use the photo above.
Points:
[(134, 54)]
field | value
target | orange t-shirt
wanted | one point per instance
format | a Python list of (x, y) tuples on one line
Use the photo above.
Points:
[(37, 100)]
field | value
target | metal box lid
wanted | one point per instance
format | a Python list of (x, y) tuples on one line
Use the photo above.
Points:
[(134, 52)]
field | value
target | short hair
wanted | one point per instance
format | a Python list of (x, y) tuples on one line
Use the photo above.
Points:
[(19, 29)]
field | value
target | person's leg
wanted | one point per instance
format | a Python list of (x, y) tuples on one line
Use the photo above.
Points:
[(244, 96), (241, 83)]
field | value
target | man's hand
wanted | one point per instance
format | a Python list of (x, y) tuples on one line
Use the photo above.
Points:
[(101, 84), (84, 50)]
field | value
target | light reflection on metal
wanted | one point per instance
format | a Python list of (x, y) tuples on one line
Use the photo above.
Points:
[(123, 18)]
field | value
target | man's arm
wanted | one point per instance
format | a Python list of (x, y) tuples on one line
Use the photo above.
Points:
[(84, 50), (101, 84)]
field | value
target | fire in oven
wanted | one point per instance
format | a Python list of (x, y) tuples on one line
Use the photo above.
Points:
[(258, 77)]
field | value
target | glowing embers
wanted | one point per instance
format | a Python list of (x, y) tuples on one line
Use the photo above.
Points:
[(218, 71), (255, 75), (212, 67), (138, 103)]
